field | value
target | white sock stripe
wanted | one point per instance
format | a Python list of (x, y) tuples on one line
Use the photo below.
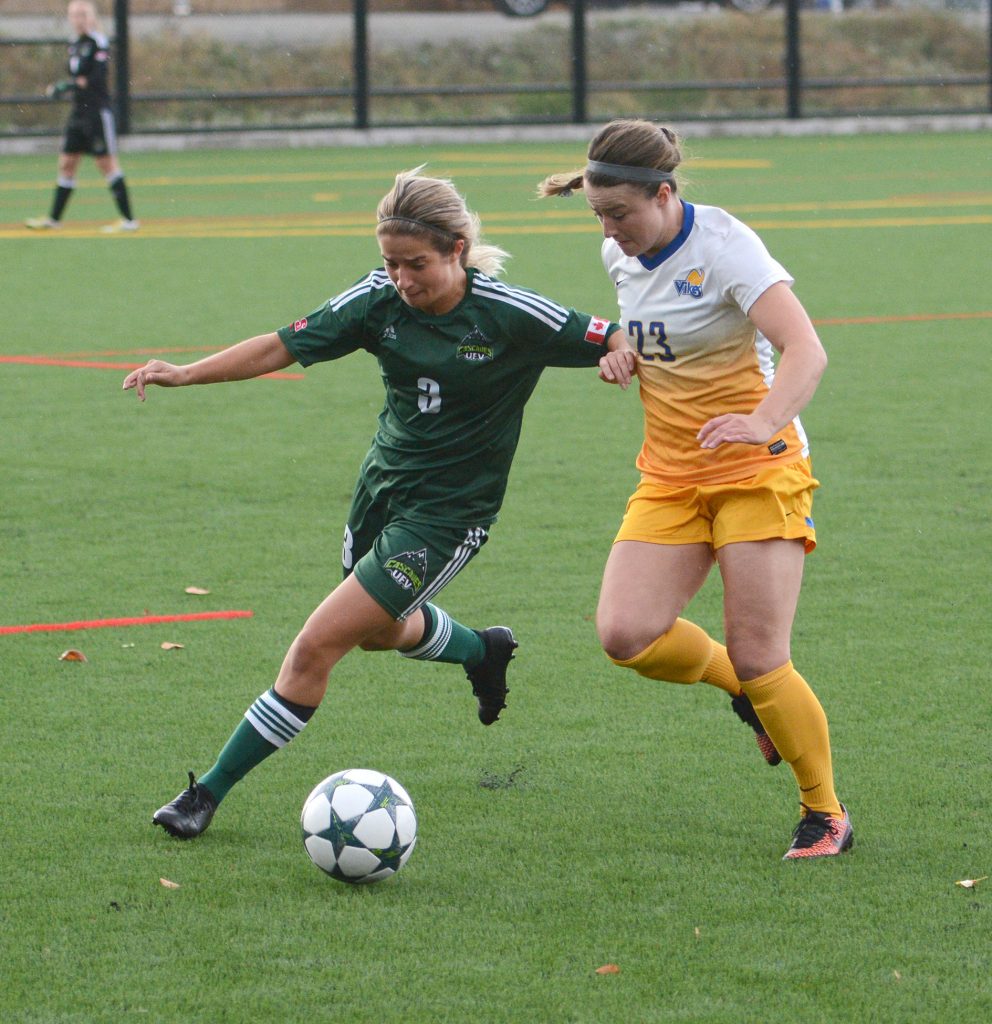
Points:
[(464, 551), (264, 731), (66, 182), (437, 642), (274, 721)]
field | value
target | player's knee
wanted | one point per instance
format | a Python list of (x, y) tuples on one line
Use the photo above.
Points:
[(623, 640), (311, 656), (754, 656)]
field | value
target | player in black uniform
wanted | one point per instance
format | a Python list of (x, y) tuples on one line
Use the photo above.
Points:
[(91, 122), (460, 354)]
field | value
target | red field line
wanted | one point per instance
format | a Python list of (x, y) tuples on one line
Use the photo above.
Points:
[(141, 620), (89, 364)]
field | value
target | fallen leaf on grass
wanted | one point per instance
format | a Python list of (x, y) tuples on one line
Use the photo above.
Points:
[(897, 975), (168, 645), (696, 930), (199, 591), (167, 884), (608, 969), (72, 655), (970, 883)]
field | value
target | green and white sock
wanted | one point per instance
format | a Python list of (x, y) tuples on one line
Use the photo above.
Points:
[(447, 640), (270, 723)]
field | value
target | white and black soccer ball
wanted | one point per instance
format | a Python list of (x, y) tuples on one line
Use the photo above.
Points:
[(359, 826)]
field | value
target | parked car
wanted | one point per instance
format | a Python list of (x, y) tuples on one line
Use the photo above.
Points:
[(529, 8)]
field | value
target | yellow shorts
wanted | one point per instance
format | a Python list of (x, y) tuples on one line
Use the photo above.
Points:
[(778, 502)]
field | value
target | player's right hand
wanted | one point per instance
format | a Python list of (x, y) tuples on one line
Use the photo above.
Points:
[(155, 371)]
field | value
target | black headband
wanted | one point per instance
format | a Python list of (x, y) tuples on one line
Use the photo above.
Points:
[(651, 175), (421, 224)]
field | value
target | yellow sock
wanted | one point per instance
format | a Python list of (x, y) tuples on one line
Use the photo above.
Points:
[(685, 654), (794, 719)]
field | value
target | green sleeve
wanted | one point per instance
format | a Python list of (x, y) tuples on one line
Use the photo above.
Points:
[(331, 331)]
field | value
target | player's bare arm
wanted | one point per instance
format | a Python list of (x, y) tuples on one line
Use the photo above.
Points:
[(619, 363), (253, 357), (780, 317)]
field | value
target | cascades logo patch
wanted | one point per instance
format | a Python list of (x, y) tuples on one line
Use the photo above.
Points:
[(475, 347), (408, 569), (692, 284)]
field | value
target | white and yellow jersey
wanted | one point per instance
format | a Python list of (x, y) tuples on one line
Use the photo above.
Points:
[(685, 312)]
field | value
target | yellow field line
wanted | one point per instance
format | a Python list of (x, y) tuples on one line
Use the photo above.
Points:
[(247, 228), (531, 166)]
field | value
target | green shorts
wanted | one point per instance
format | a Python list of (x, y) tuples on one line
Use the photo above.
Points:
[(402, 563)]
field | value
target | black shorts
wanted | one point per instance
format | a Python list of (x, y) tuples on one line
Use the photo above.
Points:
[(93, 132)]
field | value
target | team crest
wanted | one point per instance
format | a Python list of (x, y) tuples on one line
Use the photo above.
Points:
[(408, 569), (692, 284), (389, 334), (475, 347)]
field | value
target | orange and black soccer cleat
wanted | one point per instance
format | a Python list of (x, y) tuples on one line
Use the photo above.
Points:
[(820, 835)]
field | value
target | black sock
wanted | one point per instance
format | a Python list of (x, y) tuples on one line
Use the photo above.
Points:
[(62, 194), (119, 190)]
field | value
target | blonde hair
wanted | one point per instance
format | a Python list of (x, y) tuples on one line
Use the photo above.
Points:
[(629, 142), (432, 209), (93, 17)]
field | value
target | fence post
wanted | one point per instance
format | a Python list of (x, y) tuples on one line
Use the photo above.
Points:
[(580, 83), (793, 61), (122, 68), (360, 62)]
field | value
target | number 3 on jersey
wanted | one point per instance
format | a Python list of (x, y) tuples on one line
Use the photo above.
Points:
[(430, 395), (656, 331)]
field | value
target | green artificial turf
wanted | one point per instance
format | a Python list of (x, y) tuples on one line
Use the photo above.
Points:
[(605, 819)]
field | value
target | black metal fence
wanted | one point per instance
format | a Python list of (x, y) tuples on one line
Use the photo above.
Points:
[(363, 87)]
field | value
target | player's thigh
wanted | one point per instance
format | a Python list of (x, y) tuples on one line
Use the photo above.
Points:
[(761, 584), (69, 164), (645, 588), (347, 617)]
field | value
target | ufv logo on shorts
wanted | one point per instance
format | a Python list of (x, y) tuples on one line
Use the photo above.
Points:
[(408, 569)]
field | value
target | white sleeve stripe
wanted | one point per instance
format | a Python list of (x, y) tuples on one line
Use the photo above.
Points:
[(495, 289), (538, 302), (376, 279), (554, 322)]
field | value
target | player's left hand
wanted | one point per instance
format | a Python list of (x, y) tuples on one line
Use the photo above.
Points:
[(618, 367), (734, 428)]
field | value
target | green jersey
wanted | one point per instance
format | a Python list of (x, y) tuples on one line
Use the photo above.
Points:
[(456, 384)]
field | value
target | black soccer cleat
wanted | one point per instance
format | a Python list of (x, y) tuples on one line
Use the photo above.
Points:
[(745, 712), (488, 678), (189, 814)]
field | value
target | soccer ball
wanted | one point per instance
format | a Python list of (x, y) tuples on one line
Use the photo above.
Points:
[(359, 826)]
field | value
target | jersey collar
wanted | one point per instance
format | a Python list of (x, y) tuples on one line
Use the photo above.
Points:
[(688, 216)]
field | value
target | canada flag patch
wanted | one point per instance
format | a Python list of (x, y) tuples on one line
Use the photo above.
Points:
[(299, 325), (596, 331)]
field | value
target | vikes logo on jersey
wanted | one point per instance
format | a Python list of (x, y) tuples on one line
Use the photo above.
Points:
[(475, 347), (408, 569), (692, 284)]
